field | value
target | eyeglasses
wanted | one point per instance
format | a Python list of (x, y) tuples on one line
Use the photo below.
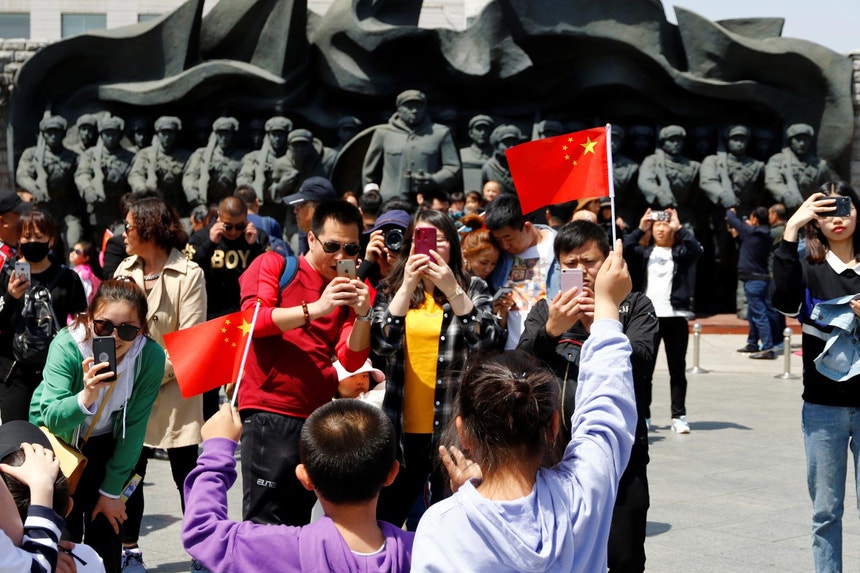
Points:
[(331, 247), (78, 251), (129, 227), (127, 332), (238, 226)]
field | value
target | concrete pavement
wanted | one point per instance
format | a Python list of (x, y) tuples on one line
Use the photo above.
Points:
[(730, 497)]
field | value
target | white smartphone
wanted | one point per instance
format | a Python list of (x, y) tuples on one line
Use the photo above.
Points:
[(22, 270)]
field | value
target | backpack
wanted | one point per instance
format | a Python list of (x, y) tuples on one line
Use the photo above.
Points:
[(37, 326)]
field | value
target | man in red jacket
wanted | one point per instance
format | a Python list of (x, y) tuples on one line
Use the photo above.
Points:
[(289, 373)]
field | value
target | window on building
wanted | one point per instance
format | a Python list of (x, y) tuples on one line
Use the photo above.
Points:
[(14, 25), (146, 17), (74, 24)]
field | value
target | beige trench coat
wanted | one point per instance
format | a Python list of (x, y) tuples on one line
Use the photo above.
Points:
[(177, 301)]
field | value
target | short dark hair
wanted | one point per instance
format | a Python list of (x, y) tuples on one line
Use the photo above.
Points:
[(398, 203), (341, 211), (436, 195), (21, 492), (37, 220), (370, 203), (507, 404), (778, 209), (348, 448), (576, 234), (246, 193), (457, 196), (760, 214), (562, 211), (504, 211), (156, 221), (234, 206)]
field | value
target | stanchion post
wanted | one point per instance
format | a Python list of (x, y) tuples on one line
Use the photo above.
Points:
[(786, 353), (697, 340)]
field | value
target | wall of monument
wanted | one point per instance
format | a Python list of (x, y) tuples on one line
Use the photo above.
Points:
[(13, 54)]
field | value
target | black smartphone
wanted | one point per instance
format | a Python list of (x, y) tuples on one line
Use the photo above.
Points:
[(425, 239), (841, 206), (104, 350), (346, 268)]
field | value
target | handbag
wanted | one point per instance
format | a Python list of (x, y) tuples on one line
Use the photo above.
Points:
[(72, 460)]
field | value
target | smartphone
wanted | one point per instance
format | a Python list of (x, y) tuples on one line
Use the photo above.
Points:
[(502, 292), (346, 268), (425, 240), (22, 269), (104, 350), (659, 216), (841, 207), (571, 278)]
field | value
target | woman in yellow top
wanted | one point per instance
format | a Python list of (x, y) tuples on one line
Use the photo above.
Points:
[(428, 317)]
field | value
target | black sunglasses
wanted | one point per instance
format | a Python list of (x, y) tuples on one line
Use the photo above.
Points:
[(238, 226), (349, 249), (127, 332)]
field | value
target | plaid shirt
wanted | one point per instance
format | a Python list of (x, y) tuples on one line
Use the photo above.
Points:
[(479, 330)]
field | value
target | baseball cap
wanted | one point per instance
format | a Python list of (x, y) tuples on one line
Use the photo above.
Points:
[(395, 217), (16, 432), (11, 203), (312, 189)]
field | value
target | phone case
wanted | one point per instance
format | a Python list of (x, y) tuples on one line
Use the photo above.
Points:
[(571, 278), (425, 240), (104, 350)]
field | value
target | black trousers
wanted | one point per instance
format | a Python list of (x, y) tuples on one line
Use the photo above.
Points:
[(630, 516), (182, 461), (419, 457), (97, 533), (17, 385), (271, 492), (675, 334)]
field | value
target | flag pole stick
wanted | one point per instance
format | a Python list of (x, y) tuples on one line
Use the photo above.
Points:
[(611, 179), (245, 355)]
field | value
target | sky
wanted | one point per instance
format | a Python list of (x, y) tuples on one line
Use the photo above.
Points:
[(831, 23)]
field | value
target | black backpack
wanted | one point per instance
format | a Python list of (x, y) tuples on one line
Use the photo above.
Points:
[(37, 326)]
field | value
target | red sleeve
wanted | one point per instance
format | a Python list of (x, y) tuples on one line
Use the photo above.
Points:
[(261, 281), (350, 359)]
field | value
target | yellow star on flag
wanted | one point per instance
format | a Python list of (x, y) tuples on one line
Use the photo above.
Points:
[(227, 340), (223, 331), (227, 322), (570, 140), (566, 157), (588, 145), (564, 148), (575, 163)]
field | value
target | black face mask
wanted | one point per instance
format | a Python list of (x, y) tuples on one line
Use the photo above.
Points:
[(34, 252)]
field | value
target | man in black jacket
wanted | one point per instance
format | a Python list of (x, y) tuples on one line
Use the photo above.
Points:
[(555, 330)]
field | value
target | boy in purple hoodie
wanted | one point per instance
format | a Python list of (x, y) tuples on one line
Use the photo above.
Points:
[(347, 450)]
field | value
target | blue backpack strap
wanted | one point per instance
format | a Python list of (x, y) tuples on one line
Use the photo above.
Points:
[(291, 268)]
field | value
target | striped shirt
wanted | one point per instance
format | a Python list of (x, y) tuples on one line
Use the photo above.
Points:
[(38, 552)]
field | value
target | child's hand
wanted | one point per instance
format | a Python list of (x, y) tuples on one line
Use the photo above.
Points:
[(226, 423), (612, 285), (460, 469), (38, 472)]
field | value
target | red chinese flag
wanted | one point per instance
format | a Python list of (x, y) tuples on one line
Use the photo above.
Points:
[(208, 355), (562, 168)]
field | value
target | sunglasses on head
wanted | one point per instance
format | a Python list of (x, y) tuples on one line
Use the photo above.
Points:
[(238, 226), (126, 332), (349, 249)]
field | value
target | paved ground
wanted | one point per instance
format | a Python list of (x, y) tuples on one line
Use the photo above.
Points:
[(730, 497)]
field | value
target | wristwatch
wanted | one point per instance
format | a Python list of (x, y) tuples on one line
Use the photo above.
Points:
[(366, 317), (456, 293)]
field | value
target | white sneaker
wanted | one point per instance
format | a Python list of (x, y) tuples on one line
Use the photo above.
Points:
[(132, 561), (680, 425), (648, 424)]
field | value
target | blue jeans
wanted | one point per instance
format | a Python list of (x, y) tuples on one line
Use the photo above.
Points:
[(828, 433), (759, 310)]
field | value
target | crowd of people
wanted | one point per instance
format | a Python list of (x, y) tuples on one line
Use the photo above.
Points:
[(429, 362)]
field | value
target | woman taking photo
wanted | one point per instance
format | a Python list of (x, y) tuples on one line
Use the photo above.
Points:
[(74, 389), (176, 298), (828, 278), (20, 374), (428, 317)]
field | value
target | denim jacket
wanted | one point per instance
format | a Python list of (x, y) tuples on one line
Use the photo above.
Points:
[(840, 359)]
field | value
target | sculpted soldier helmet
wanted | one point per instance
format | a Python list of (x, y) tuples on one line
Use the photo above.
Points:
[(549, 127), (617, 131), (349, 121), (53, 122), (298, 135), (672, 131), (410, 95), (735, 130), (279, 122), (504, 132), (225, 124), (799, 129), (481, 119), (168, 122), (87, 119), (112, 122)]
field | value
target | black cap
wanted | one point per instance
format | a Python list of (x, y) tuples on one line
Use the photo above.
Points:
[(312, 189), (11, 203), (16, 432)]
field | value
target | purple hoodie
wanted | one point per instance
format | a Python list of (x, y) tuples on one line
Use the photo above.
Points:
[(226, 546)]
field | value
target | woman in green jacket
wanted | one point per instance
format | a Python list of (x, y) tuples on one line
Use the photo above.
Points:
[(73, 389)]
